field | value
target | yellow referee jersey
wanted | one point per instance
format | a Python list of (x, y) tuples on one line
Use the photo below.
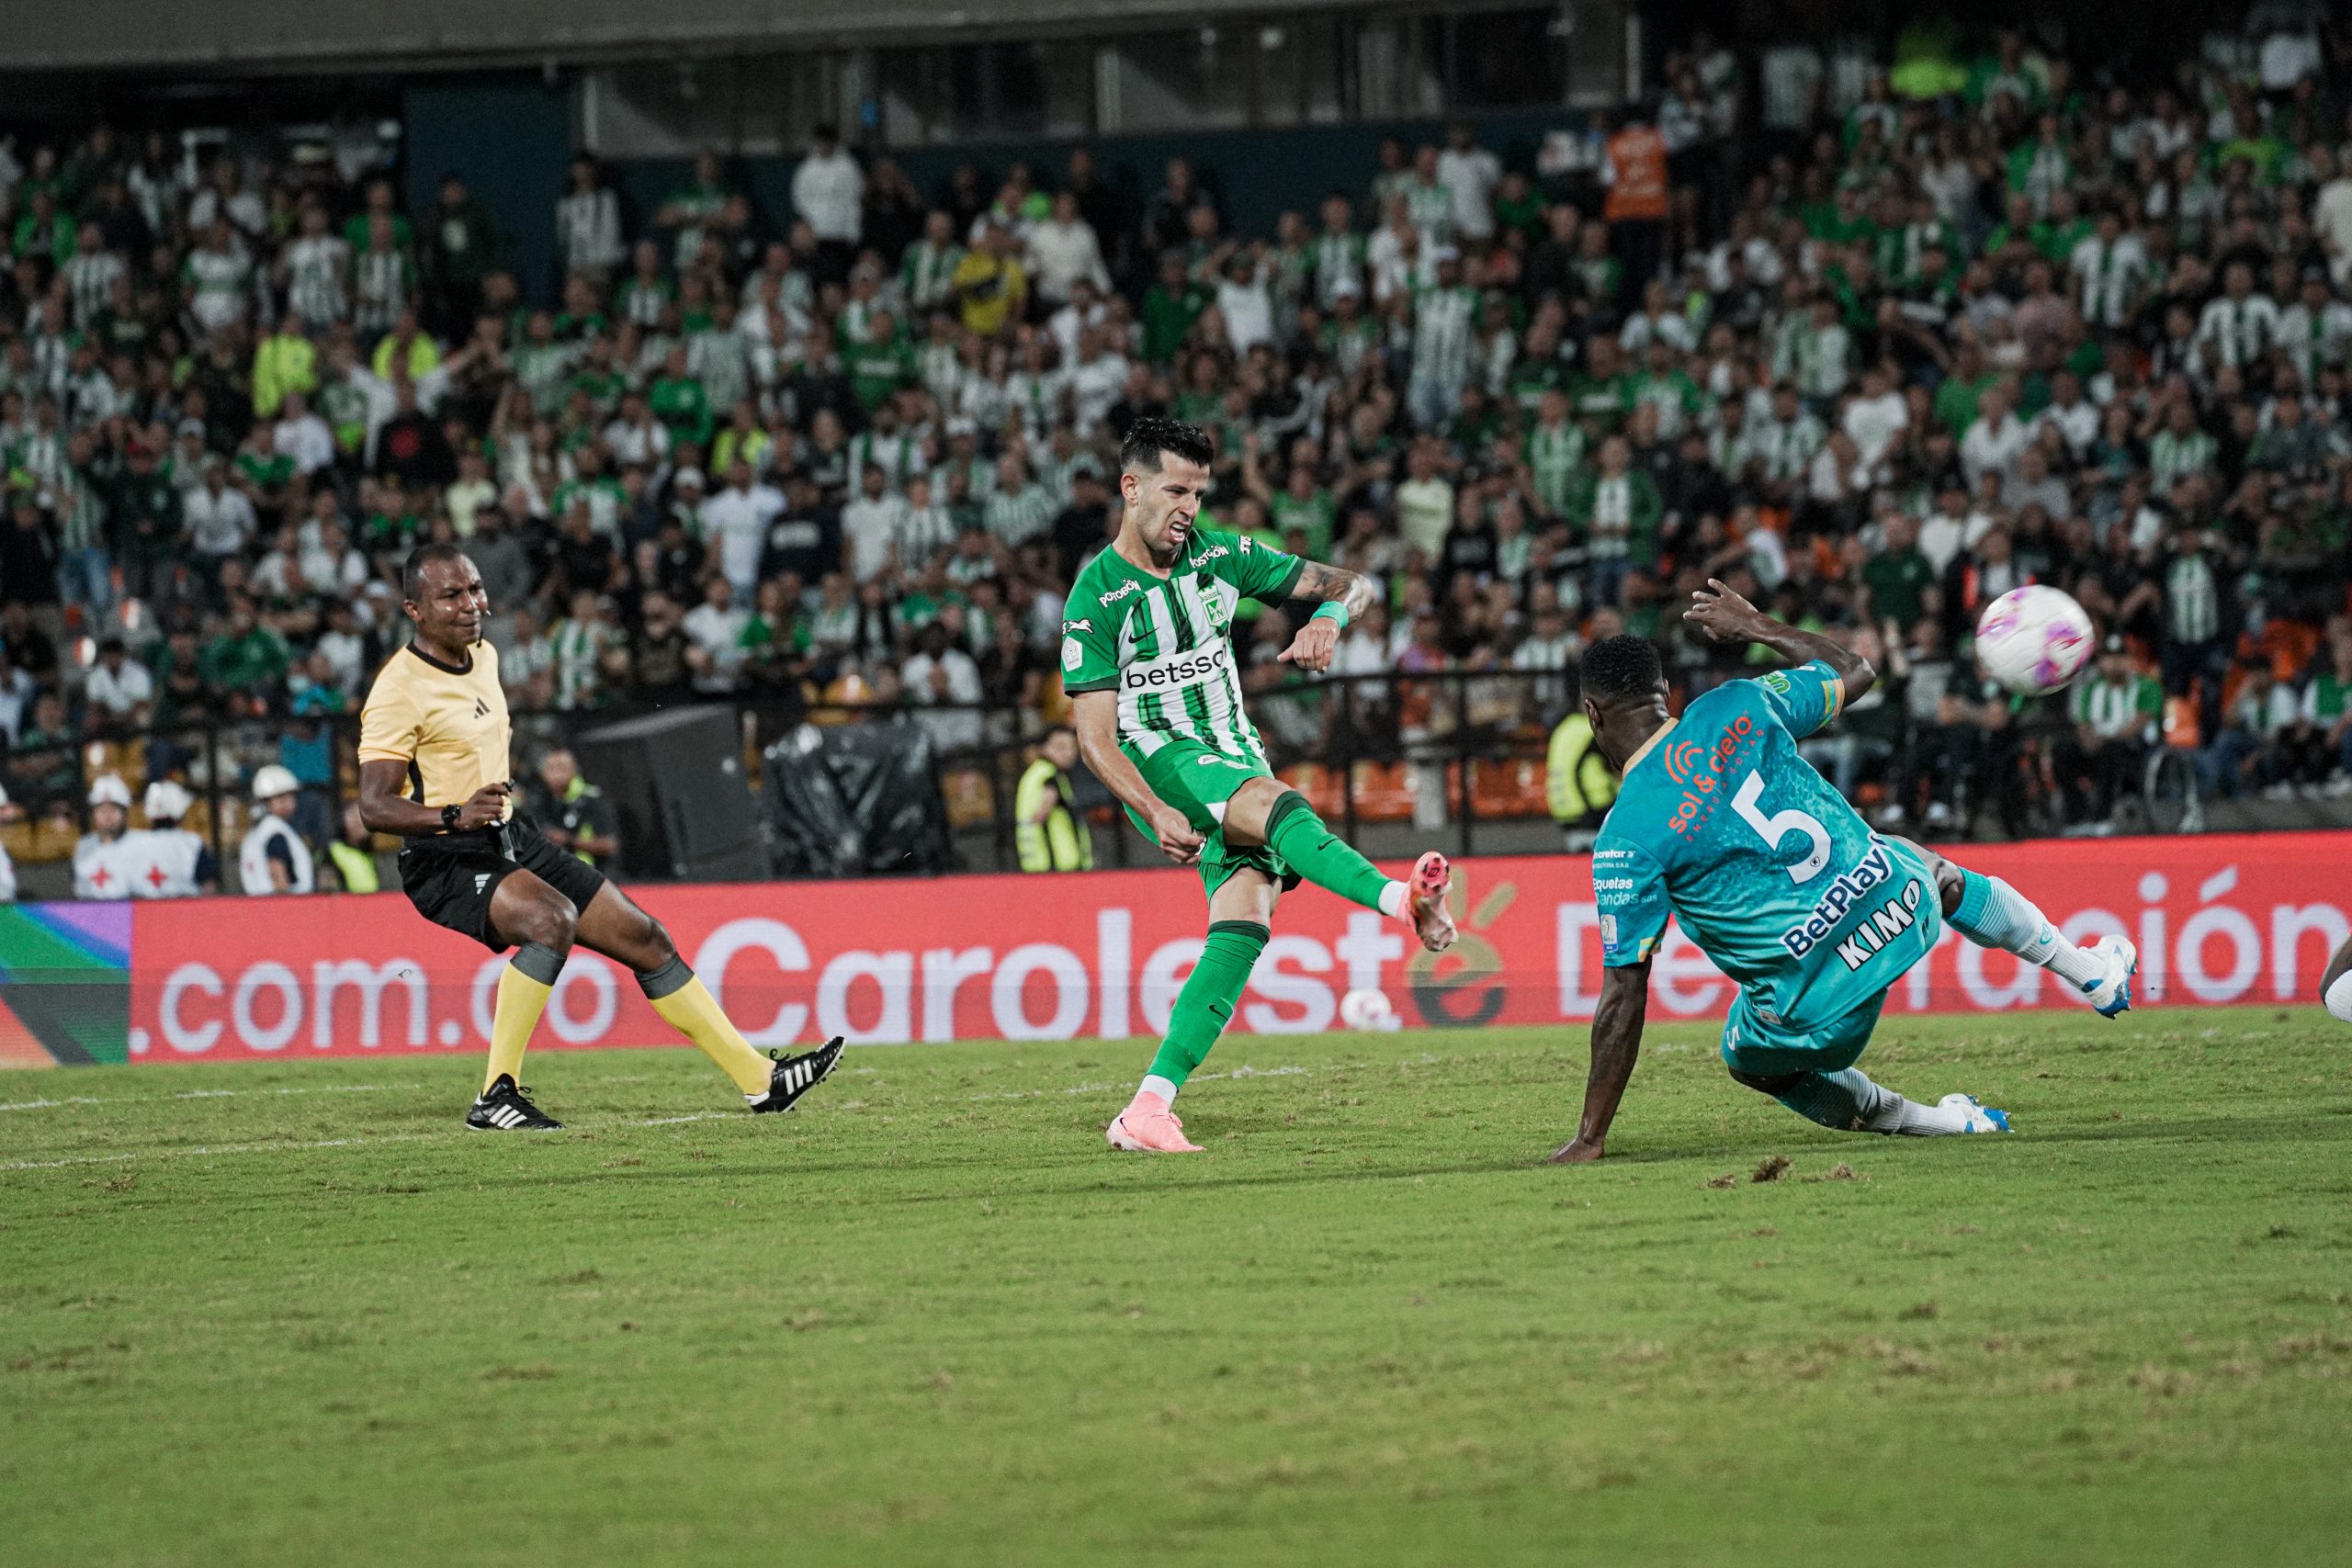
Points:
[(447, 723)]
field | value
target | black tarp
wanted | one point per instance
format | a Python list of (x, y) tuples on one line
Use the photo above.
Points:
[(855, 800)]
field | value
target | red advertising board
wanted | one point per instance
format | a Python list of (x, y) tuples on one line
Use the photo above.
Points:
[(2245, 918)]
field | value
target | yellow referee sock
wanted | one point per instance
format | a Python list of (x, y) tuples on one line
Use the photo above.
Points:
[(678, 994), (524, 987)]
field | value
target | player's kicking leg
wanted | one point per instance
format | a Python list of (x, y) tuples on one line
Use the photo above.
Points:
[(613, 925), (1262, 815), (1991, 913)]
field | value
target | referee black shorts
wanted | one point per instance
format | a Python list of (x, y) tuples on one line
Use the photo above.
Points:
[(452, 878)]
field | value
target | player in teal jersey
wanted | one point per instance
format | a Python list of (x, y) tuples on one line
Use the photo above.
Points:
[(1719, 823)]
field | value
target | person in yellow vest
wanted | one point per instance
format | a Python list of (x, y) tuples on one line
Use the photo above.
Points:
[(353, 854), (1046, 831), (285, 362), (1577, 783)]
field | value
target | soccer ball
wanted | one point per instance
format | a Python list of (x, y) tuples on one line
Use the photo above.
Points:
[(2033, 639), (1367, 1012)]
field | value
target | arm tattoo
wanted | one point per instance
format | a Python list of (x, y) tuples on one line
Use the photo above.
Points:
[(1332, 584)]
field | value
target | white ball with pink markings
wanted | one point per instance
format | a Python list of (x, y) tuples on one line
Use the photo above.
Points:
[(2034, 640)]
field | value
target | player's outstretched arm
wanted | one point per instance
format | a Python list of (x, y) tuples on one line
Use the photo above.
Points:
[(1095, 716), (1616, 1042), (1727, 617), (1353, 592)]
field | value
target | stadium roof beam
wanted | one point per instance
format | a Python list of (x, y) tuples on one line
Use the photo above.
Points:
[(298, 36)]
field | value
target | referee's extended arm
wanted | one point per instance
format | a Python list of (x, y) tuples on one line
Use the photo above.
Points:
[(384, 809)]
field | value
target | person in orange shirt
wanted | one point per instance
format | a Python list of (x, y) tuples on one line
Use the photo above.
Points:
[(1634, 173)]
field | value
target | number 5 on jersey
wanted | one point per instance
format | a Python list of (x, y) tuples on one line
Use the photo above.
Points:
[(1780, 824)]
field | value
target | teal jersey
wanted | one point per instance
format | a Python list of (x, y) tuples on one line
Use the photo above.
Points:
[(1719, 823)]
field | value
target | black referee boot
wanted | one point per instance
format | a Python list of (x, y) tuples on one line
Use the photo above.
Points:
[(793, 1077), (503, 1108)]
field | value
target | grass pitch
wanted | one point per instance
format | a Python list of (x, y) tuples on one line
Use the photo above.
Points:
[(295, 1314)]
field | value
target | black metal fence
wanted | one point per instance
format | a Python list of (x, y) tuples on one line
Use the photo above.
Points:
[(1452, 760), (1450, 750)]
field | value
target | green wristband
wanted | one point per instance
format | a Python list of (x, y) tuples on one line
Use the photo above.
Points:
[(1332, 611)]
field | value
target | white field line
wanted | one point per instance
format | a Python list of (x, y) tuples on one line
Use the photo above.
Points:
[(322, 1144), (234, 1093), (219, 1149), (191, 1094), (1241, 1072)]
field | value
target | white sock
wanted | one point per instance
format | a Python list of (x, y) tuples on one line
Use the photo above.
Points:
[(1908, 1118), (2339, 998), (1392, 898), (1994, 914), (1154, 1084)]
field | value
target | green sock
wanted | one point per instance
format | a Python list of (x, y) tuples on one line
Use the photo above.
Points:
[(1317, 853), (1206, 1004)]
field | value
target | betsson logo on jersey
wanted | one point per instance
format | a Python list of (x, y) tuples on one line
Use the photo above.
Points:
[(1185, 669)]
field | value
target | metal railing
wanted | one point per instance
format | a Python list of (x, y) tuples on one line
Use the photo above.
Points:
[(1453, 760), (1368, 750)]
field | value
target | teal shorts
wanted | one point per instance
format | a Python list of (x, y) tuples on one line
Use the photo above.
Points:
[(1766, 1050), (1763, 1050)]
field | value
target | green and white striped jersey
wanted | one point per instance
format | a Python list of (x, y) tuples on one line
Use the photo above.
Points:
[(1163, 644)]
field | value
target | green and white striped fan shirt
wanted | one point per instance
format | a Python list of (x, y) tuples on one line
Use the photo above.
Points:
[(1164, 644)]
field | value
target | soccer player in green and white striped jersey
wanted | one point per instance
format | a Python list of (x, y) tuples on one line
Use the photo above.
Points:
[(1148, 659)]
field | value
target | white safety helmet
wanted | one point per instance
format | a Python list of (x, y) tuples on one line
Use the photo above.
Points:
[(107, 789), (168, 802), (273, 781)]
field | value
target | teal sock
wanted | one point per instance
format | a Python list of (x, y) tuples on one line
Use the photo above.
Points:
[(1994, 914), (1317, 853), (1844, 1100), (1206, 1004)]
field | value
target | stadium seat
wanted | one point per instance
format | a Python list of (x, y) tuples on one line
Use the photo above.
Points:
[(1383, 792), (1319, 785), (971, 799), (1513, 787)]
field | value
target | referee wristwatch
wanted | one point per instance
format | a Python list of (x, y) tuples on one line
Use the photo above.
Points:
[(449, 818)]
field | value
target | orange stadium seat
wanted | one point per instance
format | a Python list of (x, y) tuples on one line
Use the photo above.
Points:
[(1382, 791), (970, 797), (1319, 785), (1512, 788)]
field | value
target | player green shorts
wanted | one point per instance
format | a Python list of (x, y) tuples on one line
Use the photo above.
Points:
[(1198, 782), (1751, 1044)]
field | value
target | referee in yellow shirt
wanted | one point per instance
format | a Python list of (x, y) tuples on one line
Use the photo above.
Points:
[(433, 771)]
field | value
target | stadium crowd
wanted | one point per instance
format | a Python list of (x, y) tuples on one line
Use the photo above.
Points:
[(1872, 345)]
